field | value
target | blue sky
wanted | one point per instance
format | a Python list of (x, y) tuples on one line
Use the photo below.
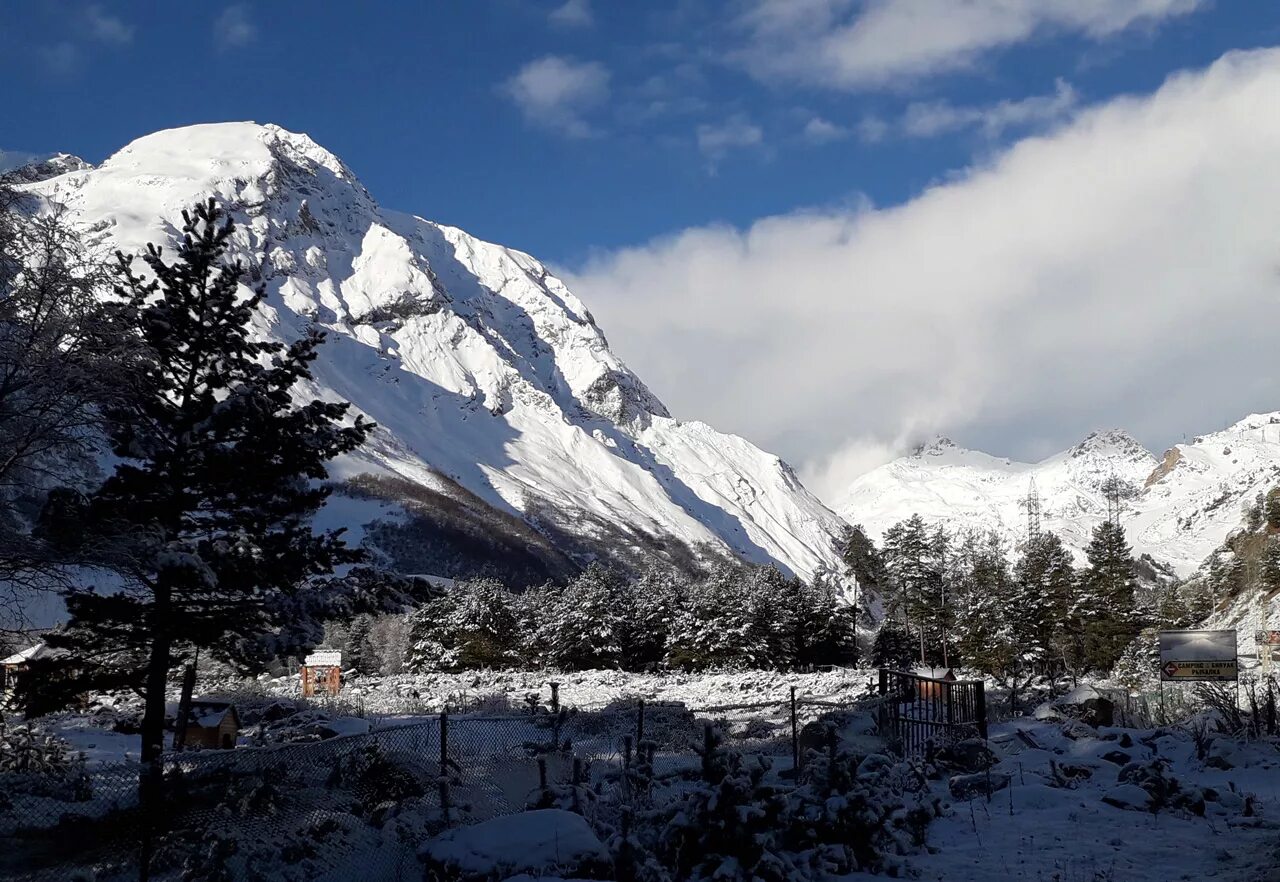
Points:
[(661, 118), (836, 227)]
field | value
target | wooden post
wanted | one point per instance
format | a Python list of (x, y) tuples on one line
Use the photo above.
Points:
[(184, 707), (980, 707), (555, 697), (444, 765), (640, 723), (795, 737)]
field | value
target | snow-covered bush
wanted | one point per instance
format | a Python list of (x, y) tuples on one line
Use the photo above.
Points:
[(742, 822), (41, 764)]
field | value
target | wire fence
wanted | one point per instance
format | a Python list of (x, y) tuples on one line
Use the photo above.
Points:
[(357, 806)]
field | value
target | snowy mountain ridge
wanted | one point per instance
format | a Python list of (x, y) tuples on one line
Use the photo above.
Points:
[(488, 378), (1181, 507)]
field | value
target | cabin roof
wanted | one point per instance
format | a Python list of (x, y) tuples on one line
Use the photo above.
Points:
[(324, 658), (40, 650), (210, 713)]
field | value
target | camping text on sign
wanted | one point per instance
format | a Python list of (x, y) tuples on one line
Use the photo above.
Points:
[(1198, 655)]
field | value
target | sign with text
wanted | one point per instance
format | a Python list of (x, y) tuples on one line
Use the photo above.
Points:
[(1198, 655), (1267, 638)]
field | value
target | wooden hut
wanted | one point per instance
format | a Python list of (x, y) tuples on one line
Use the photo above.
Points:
[(929, 684), (12, 667), (212, 725), (321, 673)]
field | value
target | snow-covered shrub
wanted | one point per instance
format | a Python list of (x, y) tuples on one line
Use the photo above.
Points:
[(740, 822), (377, 780), (40, 763)]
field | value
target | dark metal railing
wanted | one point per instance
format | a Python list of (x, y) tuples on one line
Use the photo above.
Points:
[(919, 711)]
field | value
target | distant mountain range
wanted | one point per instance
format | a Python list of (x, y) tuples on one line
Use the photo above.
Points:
[(1179, 508)]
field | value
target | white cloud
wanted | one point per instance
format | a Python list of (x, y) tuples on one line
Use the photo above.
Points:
[(1120, 270), (716, 140), (872, 129), (234, 28), (555, 93), (11, 159), (60, 58), (928, 119), (874, 43), (107, 28), (573, 14), (820, 131)]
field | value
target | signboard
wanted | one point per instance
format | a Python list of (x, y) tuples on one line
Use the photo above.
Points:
[(1198, 655), (1267, 638)]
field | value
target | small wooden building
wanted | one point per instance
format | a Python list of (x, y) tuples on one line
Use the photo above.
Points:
[(321, 673), (929, 686), (12, 667), (212, 725)]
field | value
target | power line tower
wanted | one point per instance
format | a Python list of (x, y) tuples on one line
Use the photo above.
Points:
[(1032, 504)]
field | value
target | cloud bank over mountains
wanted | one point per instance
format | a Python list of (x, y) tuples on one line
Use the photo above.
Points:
[(1121, 269)]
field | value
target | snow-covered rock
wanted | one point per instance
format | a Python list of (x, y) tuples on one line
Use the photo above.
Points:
[(489, 380), (1182, 505)]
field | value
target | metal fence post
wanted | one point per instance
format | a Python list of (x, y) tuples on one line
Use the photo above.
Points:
[(980, 711), (639, 723), (795, 737), (444, 765), (555, 697)]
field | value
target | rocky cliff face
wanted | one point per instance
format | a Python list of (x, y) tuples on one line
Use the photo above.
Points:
[(502, 412)]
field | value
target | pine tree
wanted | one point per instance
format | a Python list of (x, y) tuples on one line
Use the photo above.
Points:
[(648, 607), (912, 559), (361, 655), (472, 625), (1106, 605), (581, 626), (207, 517), (1045, 582)]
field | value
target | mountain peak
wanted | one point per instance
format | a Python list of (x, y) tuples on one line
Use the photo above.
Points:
[(1110, 442), (486, 376), (940, 445)]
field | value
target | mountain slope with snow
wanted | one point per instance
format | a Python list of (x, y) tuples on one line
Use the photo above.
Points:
[(1182, 505), (490, 382)]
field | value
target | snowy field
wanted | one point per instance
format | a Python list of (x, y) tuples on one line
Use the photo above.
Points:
[(1068, 802)]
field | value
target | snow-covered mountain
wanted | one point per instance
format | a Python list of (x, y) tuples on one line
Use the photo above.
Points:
[(1182, 505), (501, 408)]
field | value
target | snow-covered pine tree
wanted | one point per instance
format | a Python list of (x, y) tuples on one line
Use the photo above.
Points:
[(913, 557), (719, 623), (1105, 607), (1044, 588), (648, 607), (472, 625), (582, 621), (206, 520), (361, 655)]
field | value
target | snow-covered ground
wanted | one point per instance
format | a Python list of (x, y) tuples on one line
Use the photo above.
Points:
[(1035, 829)]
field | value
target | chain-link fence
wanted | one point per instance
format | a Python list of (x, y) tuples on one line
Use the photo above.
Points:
[(358, 806)]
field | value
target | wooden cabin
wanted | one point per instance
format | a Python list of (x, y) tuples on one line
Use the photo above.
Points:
[(14, 666), (321, 673), (212, 725), (929, 687)]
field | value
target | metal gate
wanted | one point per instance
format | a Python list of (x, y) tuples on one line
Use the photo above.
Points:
[(916, 711)]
